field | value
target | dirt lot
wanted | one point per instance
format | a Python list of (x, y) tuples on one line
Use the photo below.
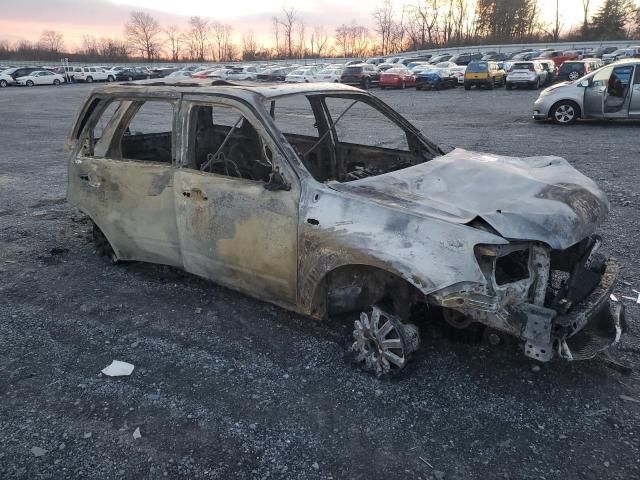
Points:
[(228, 387)]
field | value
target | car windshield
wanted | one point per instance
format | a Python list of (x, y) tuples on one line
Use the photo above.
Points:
[(397, 70), (475, 67), (523, 66)]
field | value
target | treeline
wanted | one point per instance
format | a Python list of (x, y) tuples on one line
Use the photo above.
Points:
[(423, 24)]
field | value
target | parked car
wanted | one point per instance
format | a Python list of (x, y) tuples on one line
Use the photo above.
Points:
[(398, 77), (526, 74), (457, 72), (373, 222), (621, 54), (611, 92), (386, 66), (435, 79), (354, 62), (331, 74), (495, 57), (550, 67), (40, 77), (16, 72), (242, 73), (92, 74), (465, 58), (363, 75), (483, 74), (558, 56), (440, 58), (573, 70), (302, 75), (375, 61), (6, 80), (275, 74), (131, 74), (179, 75), (526, 56), (599, 52)]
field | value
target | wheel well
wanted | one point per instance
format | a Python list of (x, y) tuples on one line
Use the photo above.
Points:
[(356, 287), (575, 105)]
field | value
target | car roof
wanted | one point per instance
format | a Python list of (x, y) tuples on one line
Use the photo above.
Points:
[(218, 87)]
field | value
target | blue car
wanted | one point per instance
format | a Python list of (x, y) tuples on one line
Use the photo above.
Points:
[(435, 79)]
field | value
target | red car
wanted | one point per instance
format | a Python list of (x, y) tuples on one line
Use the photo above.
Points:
[(558, 56), (397, 77)]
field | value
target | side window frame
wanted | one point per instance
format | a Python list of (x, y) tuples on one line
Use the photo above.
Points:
[(186, 121)]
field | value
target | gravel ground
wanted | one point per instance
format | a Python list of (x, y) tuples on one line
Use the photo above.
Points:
[(228, 387)]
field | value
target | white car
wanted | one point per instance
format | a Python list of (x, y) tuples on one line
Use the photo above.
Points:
[(248, 72), (458, 73), (6, 80), (220, 73), (446, 64), (40, 77), (526, 74), (620, 54), (301, 75), (329, 75), (92, 74), (180, 74)]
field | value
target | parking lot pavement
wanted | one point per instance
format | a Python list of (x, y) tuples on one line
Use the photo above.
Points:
[(228, 387)]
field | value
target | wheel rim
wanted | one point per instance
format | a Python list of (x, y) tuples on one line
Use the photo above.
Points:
[(564, 113), (29, 83), (3, 83), (456, 319), (573, 76), (382, 343)]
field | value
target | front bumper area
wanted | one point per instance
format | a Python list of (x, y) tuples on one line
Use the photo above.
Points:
[(574, 318)]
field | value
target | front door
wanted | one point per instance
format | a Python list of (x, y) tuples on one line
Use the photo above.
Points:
[(634, 104), (122, 178), (617, 99), (235, 227), (595, 93)]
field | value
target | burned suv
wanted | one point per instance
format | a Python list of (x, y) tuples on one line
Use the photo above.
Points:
[(284, 193)]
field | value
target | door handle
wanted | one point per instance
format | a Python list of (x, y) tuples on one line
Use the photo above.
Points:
[(195, 194)]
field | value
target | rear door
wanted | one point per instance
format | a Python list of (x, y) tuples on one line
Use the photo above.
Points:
[(619, 92), (121, 176)]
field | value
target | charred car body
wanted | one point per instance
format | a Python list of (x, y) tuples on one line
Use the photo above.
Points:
[(324, 217)]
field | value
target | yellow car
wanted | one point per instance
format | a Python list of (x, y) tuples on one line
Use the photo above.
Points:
[(484, 74)]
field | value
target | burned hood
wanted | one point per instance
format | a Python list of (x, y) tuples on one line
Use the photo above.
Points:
[(534, 198)]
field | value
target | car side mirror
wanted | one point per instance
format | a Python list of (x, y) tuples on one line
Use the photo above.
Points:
[(584, 83), (277, 182)]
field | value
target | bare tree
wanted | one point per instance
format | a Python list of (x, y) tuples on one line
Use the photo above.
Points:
[(51, 41), (174, 40), (586, 6), (143, 34), (383, 16), (318, 41), (199, 30), (249, 47), (222, 41), (301, 44), (288, 23), (352, 40)]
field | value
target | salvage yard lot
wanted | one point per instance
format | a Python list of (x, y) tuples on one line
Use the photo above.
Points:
[(228, 387)]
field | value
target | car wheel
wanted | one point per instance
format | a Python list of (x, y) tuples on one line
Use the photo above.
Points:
[(110, 78), (404, 85), (30, 83), (130, 78), (565, 112), (492, 84), (574, 76), (467, 86), (89, 79), (102, 245), (382, 344), (366, 83), (508, 86), (56, 82), (3, 84)]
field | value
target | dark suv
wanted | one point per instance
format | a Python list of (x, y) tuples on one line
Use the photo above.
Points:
[(465, 58), (22, 71), (132, 74), (363, 75), (575, 69)]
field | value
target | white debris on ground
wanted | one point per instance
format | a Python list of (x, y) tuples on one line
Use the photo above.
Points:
[(118, 369), (137, 434)]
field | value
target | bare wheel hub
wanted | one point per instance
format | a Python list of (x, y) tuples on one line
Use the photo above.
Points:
[(382, 343), (456, 319)]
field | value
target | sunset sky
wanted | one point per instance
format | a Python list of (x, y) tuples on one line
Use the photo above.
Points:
[(105, 18)]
